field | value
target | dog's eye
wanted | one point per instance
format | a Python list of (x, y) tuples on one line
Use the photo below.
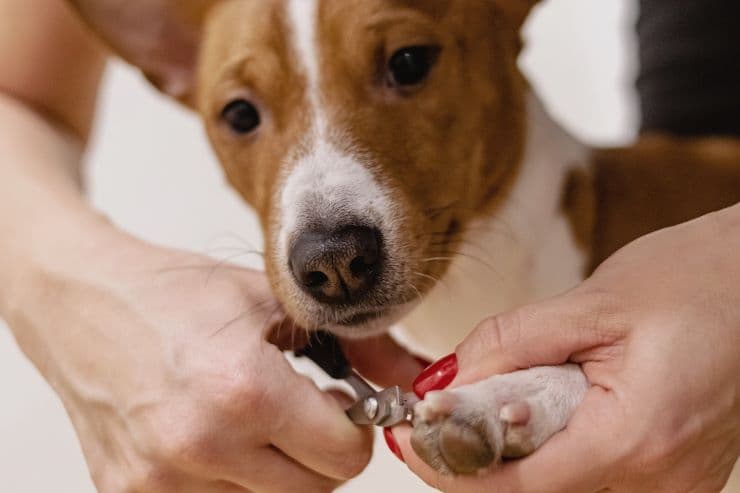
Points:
[(410, 66), (241, 116)]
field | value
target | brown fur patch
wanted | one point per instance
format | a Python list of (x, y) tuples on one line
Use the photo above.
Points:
[(459, 138), (579, 204), (660, 182)]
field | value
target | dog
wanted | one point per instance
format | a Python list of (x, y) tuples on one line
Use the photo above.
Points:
[(404, 172)]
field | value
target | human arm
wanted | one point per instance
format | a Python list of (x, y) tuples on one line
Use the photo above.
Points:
[(162, 366)]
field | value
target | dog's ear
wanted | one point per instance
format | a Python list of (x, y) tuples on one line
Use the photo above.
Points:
[(161, 37), (516, 11)]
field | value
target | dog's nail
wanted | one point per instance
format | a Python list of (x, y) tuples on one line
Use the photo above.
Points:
[(390, 440), (516, 413), (436, 376), (436, 404), (425, 363)]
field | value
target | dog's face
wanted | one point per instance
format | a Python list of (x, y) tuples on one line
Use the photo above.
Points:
[(366, 134)]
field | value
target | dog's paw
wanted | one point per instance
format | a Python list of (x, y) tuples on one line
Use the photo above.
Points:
[(471, 428)]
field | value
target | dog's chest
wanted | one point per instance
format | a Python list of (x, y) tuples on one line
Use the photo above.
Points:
[(523, 252)]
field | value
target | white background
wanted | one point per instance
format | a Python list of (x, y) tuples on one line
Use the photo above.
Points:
[(151, 170)]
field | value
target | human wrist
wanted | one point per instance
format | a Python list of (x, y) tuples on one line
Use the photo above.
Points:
[(48, 247)]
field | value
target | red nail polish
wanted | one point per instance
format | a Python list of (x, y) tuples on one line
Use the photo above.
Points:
[(390, 440), (423, 362), (437, 376)]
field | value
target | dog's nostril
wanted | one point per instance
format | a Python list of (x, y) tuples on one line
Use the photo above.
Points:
[(338, 266), (315, 279), (361, 266)]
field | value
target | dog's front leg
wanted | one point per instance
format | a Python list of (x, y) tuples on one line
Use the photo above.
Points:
[(469, 428)]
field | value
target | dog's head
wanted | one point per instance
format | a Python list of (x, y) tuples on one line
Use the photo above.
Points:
[(367, 134)]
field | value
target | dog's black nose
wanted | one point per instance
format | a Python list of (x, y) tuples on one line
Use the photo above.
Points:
[(337, 267)]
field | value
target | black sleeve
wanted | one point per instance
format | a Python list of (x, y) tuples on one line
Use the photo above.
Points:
[(689, 78)]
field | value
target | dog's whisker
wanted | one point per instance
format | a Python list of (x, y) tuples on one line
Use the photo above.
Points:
[(450, 263), (463, 242), (242, 241), (436, 259), (497, 225), (224, 261), (256, 306), (293, 326), (431, 278), (228, 324), (481, 261), (180, 268), (224, 249), (270, 315), (436, 280), (426, 276), (418, 293), (471, 257), (279, 330)]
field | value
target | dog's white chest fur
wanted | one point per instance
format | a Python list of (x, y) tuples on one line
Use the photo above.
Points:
[(524, 252)]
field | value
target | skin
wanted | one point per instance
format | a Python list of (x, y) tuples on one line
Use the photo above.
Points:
[(166, 372), (657, 332)]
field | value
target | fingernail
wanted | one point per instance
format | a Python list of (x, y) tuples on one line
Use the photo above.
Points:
[(390, 440), (436, 376), (423, 362)]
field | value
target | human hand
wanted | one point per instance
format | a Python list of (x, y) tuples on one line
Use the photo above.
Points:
[(657, 332), (162, 363)]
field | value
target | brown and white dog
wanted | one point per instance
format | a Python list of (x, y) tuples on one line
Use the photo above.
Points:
[(404, 171)]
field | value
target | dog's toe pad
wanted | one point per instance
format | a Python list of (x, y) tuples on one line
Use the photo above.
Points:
[(465, 447)]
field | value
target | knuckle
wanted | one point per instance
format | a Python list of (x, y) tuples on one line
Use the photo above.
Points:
[(599, 299), (499, 331), (240, 393), (604, 310), (196, 435)]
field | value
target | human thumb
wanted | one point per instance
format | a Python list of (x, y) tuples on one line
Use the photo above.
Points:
[(546, 333)]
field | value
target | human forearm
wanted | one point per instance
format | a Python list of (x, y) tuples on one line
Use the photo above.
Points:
[(47, 100), (40, 198)]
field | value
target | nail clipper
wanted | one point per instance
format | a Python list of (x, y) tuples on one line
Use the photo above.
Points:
[(386, 407)]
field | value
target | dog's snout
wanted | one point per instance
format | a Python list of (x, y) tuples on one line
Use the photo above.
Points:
[(337, 267)]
